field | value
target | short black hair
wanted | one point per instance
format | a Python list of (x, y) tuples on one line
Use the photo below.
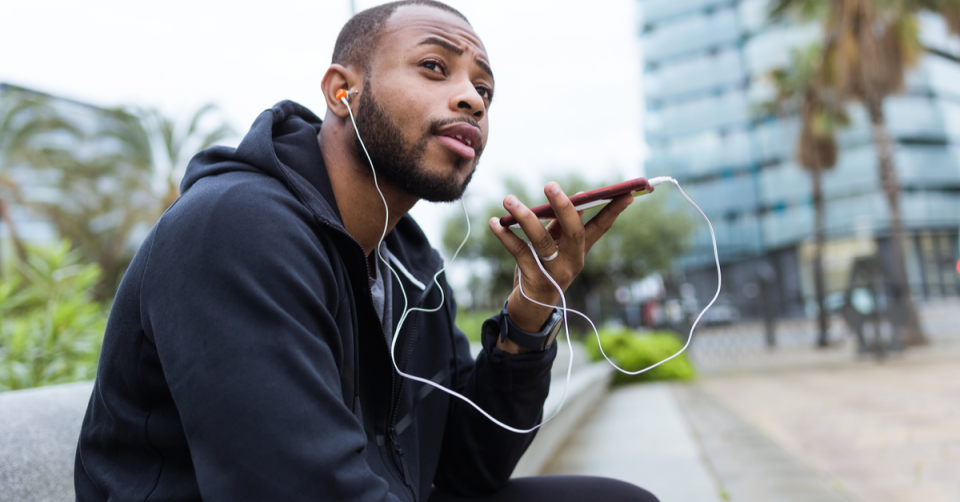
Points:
[(360, 35)]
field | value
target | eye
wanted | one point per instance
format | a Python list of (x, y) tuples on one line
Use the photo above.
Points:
[(485, 92), (434, 66)]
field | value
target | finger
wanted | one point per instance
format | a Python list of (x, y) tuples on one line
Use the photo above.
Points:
[(568, 219), (515, 246), (601, 223), (556, 231), (520, 251), (542, 242)]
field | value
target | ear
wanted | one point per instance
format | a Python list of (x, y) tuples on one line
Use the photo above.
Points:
[(339, 77)]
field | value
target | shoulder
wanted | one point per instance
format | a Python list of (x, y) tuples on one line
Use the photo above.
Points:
[(235, 196), (241, 226), (242, 211)]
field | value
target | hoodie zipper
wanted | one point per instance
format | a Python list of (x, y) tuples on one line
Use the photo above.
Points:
[(406, 361), (401, 470), (391, 419)]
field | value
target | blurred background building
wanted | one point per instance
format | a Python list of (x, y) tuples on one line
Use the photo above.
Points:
[(706, 74)]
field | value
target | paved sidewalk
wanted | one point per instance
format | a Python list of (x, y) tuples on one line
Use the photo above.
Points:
[(639, 435), (750, 466), (827, 430), (881, 432)]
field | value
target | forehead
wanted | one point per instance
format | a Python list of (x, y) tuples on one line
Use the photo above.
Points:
[(410, 24)]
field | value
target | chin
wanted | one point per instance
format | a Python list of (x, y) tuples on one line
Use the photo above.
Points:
[(444, 188), (454, 168)]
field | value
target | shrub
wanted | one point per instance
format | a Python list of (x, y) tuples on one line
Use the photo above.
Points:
[(469, 321), (633, 351), (51, 329)]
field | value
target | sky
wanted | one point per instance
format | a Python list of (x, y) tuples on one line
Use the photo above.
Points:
[(568, 90)]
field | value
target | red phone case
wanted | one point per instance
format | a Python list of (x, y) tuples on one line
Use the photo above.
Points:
[(545, 212)]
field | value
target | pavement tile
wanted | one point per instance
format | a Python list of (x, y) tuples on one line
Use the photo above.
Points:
[(887, 432), (750, 465), (639, 435)]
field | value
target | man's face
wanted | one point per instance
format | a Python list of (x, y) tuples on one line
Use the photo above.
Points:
[(423, 110)]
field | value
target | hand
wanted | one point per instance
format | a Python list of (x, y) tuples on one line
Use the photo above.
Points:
[(567, 235)]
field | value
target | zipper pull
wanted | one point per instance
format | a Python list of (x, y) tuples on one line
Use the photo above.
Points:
[(399, 450)]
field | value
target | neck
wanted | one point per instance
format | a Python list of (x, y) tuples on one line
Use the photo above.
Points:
[(360, 205)]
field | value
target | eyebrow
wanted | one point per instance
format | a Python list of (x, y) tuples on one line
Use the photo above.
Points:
[(442, 43), (456, 50), (484, 66)]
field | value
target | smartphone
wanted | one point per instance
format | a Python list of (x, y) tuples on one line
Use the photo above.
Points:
[(587, 200)]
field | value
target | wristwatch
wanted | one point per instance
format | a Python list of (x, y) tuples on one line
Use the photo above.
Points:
[(533, 341)]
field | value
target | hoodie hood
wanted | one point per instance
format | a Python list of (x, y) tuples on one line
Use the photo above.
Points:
[(282, 143)]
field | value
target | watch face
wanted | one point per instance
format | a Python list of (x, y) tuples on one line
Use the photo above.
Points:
[(541, 340), (552, 334)]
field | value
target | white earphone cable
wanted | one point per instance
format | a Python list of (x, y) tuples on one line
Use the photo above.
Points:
[(716, 255), (407, 309)]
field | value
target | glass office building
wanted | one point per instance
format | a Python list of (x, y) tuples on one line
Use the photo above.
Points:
[(706, 66)]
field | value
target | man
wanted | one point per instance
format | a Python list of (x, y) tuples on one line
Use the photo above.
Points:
[(247, 353)]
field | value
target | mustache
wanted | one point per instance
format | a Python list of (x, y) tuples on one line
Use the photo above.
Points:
[(438, 124)]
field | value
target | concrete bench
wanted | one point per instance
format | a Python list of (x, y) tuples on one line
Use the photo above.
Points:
[(39, 430), (38, 441)]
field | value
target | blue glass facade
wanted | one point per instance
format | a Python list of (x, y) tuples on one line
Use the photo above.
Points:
[(706, 66)]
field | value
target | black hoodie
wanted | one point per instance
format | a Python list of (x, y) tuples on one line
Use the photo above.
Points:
[(243, 358)]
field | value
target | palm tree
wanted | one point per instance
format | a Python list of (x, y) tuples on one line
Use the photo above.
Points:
[(869, 46), (800, 90), (102, 177), (12, 111), (25, 117), (178, 143), (113, 177)]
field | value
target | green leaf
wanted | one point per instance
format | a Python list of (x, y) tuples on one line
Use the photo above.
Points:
[(633, 351)]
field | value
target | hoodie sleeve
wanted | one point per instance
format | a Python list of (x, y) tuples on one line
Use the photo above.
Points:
[(240, 298), (478, 456)]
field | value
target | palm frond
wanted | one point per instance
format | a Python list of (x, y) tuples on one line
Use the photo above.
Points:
[(797, 10), (197, 116), (216, 135), (800, 90)]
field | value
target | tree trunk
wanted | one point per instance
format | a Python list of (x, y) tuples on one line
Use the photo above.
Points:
[(823, 320), (911, 331)]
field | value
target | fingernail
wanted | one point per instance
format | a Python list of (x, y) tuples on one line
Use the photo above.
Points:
[(555, 189), (511, 201), (494, 221)]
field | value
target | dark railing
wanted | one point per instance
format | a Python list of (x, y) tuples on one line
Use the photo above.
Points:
[(744, 345)]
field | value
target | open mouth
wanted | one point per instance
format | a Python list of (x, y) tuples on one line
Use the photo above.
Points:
[(462, 138)]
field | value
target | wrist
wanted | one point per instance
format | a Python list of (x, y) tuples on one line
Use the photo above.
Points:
[(525, 314)]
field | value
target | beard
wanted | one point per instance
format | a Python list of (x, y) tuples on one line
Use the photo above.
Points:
[(402, 165)]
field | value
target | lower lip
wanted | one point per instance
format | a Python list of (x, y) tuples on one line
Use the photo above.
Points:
[(459, 148)]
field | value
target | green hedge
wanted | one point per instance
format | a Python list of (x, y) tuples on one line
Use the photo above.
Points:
[(469, 321), (633, 350), (51, 329)]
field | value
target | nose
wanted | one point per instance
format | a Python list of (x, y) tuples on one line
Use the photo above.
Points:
[(468, 100)]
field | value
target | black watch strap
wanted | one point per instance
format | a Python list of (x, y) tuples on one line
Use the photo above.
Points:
[(533, 341)]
